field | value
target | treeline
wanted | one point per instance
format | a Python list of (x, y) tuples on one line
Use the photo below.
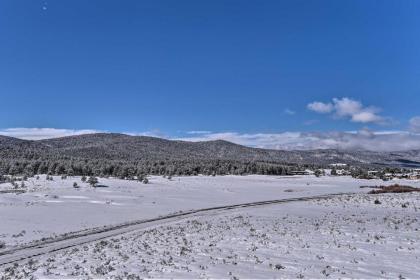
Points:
[(131, 169)]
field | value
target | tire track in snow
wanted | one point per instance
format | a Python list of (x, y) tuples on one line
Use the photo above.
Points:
[(82, 237)]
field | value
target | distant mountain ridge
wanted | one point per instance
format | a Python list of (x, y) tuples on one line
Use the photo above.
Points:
[(113, 146)]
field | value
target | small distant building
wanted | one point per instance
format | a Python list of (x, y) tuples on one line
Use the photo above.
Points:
[(310, 172), (416, 171), (338, 165), (388, 176), (399, 175), (302, 172), (415, 174), (342, 172), (414, 177)]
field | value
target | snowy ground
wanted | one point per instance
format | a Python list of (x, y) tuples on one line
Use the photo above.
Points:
[(51, 208), (344, 237)]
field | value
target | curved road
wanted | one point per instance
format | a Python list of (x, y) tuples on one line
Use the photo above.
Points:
[(78, 238)]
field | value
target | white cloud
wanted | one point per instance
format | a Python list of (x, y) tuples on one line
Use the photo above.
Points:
[(198, 132), (289, 112), (367, 117), (153, 133), (43, 133), (320, 107), (415, 124), (349, 108), (362, 140)]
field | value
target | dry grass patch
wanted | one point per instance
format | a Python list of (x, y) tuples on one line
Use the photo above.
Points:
[(394, 189)]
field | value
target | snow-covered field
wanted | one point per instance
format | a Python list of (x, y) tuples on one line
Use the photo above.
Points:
[(346, 236), (342, 237), (54, 207)]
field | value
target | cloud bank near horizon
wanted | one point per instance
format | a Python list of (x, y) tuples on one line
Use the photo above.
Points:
[(381, 141), (43, 133)]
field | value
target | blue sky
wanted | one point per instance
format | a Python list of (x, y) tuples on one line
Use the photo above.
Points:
[(243, 67)]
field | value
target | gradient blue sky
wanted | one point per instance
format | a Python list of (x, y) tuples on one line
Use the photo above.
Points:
[(222, 66)]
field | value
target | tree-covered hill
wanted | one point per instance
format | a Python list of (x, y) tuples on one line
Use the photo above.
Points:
[(123, 155)]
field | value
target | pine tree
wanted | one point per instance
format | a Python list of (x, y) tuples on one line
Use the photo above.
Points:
[(93, 181)]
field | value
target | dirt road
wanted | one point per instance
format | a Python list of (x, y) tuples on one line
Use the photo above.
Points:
[(78, 238)]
